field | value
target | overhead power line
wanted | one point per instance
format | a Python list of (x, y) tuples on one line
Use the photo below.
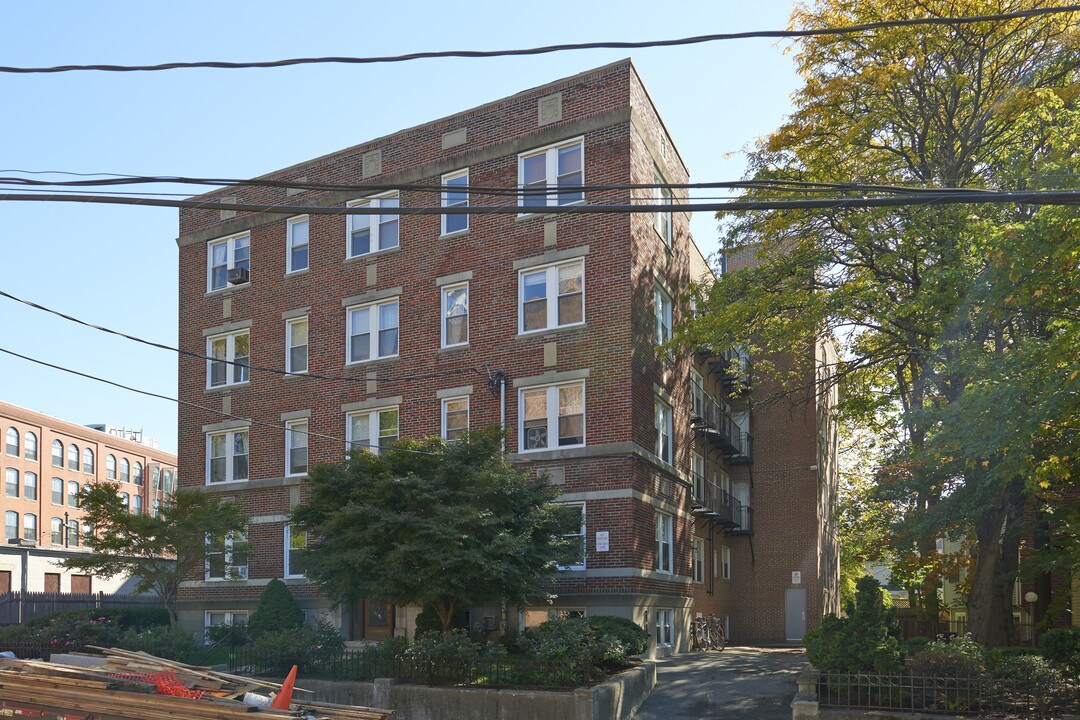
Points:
[(159, 396), (1037, 197), (606, 45), (199, 356)]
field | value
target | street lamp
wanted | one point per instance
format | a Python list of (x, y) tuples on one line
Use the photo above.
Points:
[(1031, 598)]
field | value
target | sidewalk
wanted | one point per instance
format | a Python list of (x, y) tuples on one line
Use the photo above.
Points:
[(739, 682)]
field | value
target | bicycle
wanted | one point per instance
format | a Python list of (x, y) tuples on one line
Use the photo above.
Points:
[(707, 633)]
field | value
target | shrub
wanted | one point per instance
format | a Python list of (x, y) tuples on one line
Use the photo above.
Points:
[(569, 651), (864, 641), (915, 644), (1034, 675), (161, 640), (231, 635), (278, 650), (277, 611), (438, 656), (1061, 648), (428, 620), (996, 656), (962, 657), (632, 636)]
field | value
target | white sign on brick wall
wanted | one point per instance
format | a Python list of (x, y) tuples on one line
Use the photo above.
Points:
[(602, 541), (796, 577)]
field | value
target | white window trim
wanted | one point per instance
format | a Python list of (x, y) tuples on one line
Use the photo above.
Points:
[(373, 224), (373, 330), (663, 305), (551, 153), (372, 441), (232, 572), (230, 358), (442, 223), (662, 414), (444, 298), (665, 628), (229, 455), (725, 562), (289, 245), (551, 289), (288, 541), (231, 617), (290, 430), (665, 197), (230, 260), (289, 346), (580, 534), (552, 416), (447, 401), (698, 560), (669, 527)]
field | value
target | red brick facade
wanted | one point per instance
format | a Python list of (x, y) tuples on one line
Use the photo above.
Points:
[(616, 473)]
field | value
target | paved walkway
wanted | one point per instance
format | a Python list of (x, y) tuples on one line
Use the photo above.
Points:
[(739, 682)]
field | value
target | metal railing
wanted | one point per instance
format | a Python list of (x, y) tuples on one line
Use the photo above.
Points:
[(906, 692), (720, 504), (718, 426)]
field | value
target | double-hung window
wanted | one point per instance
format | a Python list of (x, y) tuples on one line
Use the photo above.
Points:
[(372, 331), (230, 355), (296, 345), (56, 531), (372, 429), (88, 461), (30, 446), (662, 222), (227, 456), (11, 525), (697, 469), (725, 565), (374, 232), (665, 627), (57, 491), (552, 175), (551, 297), (125, 470), (664, 533), (295, 547), (297, 242), (455, 315), (663, 316), (296, 447), (552, 416), (698, 560), (136, 504), (227, 558), (110, 467), (11, 482), (73, 494), (663, 426), (30, 527), (30, 485), (577, 536), (138, 474), (224, 255), (57, 454), (455, 417), (455, 195), (73, 457), (11, 442)]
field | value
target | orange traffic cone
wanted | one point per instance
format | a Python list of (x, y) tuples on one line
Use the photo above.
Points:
[(284, 696)]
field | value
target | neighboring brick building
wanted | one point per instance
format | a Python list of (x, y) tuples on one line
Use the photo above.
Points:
[(47, 462), (569, 307)]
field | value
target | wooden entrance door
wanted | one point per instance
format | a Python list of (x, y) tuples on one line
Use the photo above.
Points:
[(372, 620), (5, 581)]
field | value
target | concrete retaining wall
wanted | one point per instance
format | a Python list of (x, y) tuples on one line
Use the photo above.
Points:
[(614, 699)]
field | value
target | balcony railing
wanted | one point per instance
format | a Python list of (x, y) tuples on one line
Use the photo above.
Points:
[(718, 427), (746, 521), (716, 503)]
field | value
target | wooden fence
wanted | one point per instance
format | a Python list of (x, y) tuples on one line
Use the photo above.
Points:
[(18, 607)]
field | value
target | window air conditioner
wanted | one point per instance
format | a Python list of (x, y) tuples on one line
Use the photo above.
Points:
[(238, 276)]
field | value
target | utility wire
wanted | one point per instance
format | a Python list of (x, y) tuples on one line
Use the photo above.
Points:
[(1037, 197), (148, 393), (623, 45), (199, 356), (779, 184)]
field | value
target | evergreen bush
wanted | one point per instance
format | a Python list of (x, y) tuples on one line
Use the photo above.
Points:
[(632, 636), (276, 612), (1061, 648), (867, 640)]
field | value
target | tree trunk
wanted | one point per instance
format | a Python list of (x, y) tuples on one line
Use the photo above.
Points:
[(445, 611), (930, 612), (990, 619)]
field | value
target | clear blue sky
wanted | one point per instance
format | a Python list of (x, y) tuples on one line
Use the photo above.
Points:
[(116, 266)]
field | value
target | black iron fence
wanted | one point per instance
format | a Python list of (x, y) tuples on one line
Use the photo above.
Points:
[(917, 694), (366, 664), (17, 607)]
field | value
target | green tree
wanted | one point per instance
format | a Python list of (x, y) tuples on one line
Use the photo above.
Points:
[(277, 610), (958, 324), (434, 523), (159, 552)]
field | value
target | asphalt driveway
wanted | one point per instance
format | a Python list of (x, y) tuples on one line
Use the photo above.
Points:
[(739, 682)]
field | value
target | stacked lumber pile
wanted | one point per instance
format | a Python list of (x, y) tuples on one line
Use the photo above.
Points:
[(136, 685)]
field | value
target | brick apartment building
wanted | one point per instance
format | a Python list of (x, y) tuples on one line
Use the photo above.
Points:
[(47, 462), (680, 515)]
